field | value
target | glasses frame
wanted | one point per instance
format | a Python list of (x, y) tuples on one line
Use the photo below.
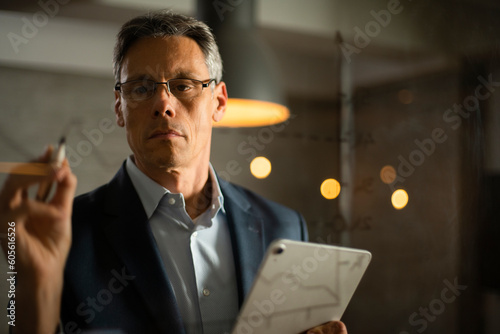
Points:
[(204, 84)]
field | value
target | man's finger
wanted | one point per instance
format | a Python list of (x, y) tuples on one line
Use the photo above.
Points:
[(18, 180), (332, 327), (24, 168), (66, 187)]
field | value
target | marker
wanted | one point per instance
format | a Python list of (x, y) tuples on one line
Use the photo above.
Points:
[(56, 161)]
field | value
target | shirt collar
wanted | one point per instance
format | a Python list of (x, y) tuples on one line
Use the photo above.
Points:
[(150, 192), (217, 197)]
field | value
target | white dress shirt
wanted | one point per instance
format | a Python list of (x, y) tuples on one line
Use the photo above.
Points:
[(197, 255)]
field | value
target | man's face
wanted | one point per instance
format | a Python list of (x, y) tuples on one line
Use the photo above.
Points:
[(164, 132)]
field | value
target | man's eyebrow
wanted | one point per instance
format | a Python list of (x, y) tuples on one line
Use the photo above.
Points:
[(139, 77), (187, 75), (178, 75)]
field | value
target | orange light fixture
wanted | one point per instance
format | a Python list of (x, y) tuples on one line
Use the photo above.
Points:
[(251, 71), (250, 113)]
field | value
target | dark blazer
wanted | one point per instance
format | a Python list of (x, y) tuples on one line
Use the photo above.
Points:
[(114, 277)]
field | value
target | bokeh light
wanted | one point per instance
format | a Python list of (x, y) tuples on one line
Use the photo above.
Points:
[(330, 188), (405, 96), (260, 167), (388, 174), (399, 199)]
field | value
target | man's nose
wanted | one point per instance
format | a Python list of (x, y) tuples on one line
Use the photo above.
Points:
[(163, 101)]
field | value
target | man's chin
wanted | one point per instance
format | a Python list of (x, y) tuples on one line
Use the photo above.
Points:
[(167, 161)]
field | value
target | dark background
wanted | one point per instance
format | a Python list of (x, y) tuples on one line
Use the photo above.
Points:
[(434, 52)]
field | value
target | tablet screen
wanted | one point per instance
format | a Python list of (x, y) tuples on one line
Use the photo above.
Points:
[(301, 285)]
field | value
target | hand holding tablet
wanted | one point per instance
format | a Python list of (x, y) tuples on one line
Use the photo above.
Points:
[(301, 285)]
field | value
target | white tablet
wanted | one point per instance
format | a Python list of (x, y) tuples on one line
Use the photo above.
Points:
[(301, 285)]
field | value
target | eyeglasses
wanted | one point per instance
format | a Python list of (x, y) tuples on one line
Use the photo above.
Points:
[(183, 89)]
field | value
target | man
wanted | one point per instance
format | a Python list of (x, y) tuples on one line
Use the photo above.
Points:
[(165, 246)]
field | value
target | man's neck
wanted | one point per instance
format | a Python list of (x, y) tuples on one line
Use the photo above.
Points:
[(193, 183)]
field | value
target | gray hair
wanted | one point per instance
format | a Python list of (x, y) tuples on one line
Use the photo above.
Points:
[(164, 24)]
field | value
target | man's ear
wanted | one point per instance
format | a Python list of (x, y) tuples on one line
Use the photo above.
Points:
[(220, 94), (118, 110)]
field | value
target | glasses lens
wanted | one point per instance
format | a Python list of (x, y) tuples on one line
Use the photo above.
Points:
[(185, 88), (138, 90)]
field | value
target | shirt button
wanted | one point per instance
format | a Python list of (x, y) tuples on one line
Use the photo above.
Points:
[(195, 234), (171, 201), (206, 292)]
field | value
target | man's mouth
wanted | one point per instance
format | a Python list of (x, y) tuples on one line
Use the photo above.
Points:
[(165, 134)]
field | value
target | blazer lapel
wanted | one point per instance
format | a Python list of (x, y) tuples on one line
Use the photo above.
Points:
[(131, 238), (246, 230), (130, 235)]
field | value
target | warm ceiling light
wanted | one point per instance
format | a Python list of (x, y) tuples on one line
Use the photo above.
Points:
[(251, 72), (248, 113)]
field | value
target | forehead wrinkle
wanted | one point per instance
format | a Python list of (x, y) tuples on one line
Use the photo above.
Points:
[(170, 60)]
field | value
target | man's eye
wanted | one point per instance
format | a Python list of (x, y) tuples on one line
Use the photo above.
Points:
[(182, 88), (140, 90)]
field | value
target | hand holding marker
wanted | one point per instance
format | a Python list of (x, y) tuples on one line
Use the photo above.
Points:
[(57, 159)]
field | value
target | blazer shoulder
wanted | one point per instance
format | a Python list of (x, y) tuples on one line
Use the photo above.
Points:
[(108, 197), (275, 216), (89, 204), (258, 201)]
